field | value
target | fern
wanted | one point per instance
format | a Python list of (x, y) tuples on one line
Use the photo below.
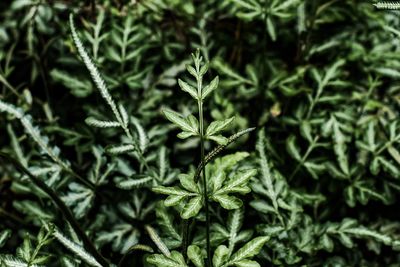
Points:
[(75, 248), (387, 5)]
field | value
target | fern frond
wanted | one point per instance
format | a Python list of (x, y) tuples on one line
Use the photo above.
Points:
[(267, 178), (157, 240), (11, 261), (34, 132), (388, 5), (101, 124), (77, 249), (94, 72)]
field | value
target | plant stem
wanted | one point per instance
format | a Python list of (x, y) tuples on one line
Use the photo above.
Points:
[(205, 194)]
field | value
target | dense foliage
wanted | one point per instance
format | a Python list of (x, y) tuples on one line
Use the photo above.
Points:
[(199, 133)]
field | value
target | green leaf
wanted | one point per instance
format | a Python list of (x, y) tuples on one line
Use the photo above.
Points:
[(4, 236), (192, 208), (228, 202), (218, 179), (219, 139), (220, 256), (134, 181), (292, 148), (160, 260), (340, 148), (77, 249), (171, 191), (195, 255), (120, 149), (271, 29), (187, 182), (157, 240), (238, 180), (209, 88), (187, 125), (188, 88), (249, 250), (247, 263), (217, 126)]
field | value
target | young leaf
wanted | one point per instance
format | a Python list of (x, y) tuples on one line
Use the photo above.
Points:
[(220, 256), (77, 249), (228, 202), (195, 255), (188, 88), (4, 236), (175, 260), (192, 208), (157, 240), (249, 250), (217, 126), (209, 88), (101, 124), (181, 122)]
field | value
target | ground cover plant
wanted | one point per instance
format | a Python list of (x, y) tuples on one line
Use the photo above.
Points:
[(199, 133)]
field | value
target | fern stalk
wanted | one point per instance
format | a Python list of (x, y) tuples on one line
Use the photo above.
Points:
[(202, 154), (205, 194)]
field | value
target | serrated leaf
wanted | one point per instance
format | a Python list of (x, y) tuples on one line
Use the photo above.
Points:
[(75, 248), (160, 260), (187, 182), (249, 250), (209, 88), (217, 126), (120, 149), (188, 88), (247, 263), (157, 240), (220, 256), (228, 202), (192, 208), (143, 139), (292, 148), (134, 181), (219, 139), (195, 255), (181, 122), (124, 115)]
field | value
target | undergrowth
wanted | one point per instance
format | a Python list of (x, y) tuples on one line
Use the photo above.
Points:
[(199, 133)]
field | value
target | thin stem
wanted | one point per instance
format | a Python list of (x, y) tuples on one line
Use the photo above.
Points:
[(205, 194)]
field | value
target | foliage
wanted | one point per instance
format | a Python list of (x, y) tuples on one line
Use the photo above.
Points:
[(94, 93)]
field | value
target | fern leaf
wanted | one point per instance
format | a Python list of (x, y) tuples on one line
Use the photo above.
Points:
[(94, 72), (101, 124), (77, 249), (387, 5), (34, 132), (11, 261), (143, 139), (157, 240), (267, 178)]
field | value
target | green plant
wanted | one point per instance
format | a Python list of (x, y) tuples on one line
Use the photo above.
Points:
[(92, 173), (218, 186)]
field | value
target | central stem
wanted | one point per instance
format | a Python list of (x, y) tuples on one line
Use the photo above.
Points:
[(205, 194)]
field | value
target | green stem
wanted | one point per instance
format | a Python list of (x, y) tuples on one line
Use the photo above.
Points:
[(205, 194)]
